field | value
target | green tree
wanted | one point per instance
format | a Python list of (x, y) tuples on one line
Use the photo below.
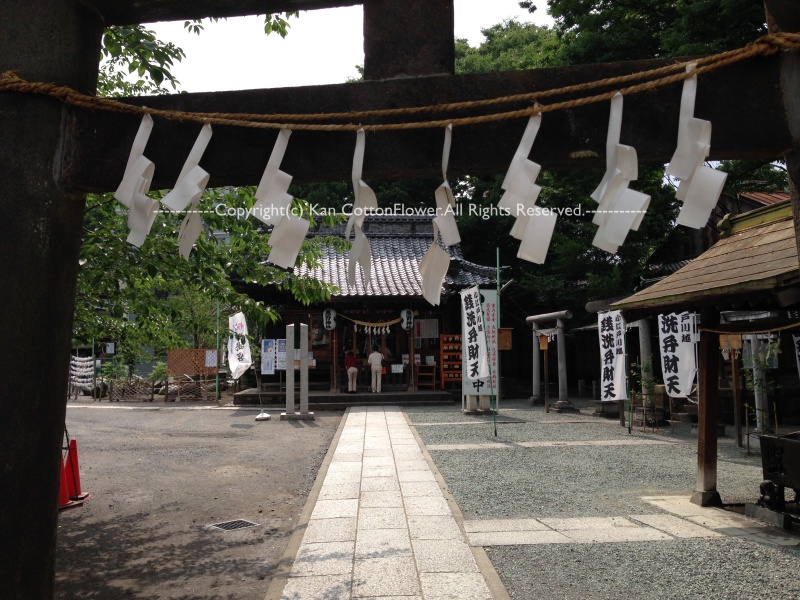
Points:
[(608, 30), (150, 296)]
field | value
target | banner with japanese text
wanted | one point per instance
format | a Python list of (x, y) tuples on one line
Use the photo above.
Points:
[(239, 358), (611, 327), (268, 357), (677, 335), (475, 359)]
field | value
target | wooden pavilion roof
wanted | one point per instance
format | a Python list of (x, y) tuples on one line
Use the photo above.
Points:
[(757, 259)]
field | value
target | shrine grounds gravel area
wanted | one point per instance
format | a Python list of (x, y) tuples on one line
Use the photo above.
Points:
[(159, 475), (572, 481)]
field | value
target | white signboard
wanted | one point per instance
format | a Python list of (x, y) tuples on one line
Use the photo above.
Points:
[(280, 355), (479, 342), (613, 383), (239, 358), (211, 358), (677, 334), (267, 357)]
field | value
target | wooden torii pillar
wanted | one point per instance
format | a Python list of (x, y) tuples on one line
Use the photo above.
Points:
[(52, 154)]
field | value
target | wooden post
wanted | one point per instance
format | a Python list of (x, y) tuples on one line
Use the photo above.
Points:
[(406, 39), (706, 493), (55, 42), (737, 397), (784, 15)]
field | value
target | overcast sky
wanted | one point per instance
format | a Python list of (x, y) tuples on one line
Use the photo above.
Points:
[(323, 46)]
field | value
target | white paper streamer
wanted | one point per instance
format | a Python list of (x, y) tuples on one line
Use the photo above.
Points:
[(445, 201), (700, 186), (536, 239), (365, 198), (286, 239), (534, 228), (192, 179), (360, 254), (619, 209), (189, 188), (433, 269), (135, 184), (272, 200)]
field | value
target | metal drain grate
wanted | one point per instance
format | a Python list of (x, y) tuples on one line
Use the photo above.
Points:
[(232, 525)]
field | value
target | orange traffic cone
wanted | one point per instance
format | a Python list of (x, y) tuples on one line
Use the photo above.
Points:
[(63, 492), (73, 473)]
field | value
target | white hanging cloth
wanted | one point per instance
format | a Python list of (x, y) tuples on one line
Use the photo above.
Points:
[(272, 200), (533, 227), (360, 254), (433, 269), (132, 190), (620, 209), (365, 199), (188, 189), (700, 185), (445, 217)]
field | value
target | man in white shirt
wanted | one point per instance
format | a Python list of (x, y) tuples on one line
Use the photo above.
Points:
[(375, 361)]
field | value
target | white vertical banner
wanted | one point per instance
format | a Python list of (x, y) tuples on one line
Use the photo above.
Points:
[(239, 358), (611, 328), (796, 341), (677, 336), (473, 348)]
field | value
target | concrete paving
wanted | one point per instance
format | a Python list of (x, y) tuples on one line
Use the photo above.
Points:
[(382, 525)]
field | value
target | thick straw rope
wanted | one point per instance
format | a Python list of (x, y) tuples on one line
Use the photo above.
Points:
[(764, 46)]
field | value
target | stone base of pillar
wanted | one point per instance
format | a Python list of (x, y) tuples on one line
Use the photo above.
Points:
[(711, 498), (296, 416), (563, 406), (536, 401)]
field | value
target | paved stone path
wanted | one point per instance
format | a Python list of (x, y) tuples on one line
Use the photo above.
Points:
[(381, 527)]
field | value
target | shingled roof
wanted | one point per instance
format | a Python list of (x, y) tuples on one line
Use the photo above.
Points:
[(758, 256), (398, 243)]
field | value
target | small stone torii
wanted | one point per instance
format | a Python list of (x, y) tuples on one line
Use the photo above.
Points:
[(53, 154), (535, 321)]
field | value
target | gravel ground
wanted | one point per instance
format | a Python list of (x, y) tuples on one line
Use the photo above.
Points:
[(593, 481), (159, 478)]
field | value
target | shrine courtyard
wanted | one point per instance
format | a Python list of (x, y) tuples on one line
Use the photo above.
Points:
[(416, 502)]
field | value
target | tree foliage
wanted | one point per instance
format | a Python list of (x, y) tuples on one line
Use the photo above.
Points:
[(608, 30), (150, 297)]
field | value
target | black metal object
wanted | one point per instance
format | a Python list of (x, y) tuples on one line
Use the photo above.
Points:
[(780, 462), (233, 525)]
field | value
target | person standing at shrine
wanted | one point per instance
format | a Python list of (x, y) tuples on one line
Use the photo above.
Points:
[(375, 361), (351, 366)]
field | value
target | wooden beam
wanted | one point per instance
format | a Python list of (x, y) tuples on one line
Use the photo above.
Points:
[(743, 101), (128, 12)]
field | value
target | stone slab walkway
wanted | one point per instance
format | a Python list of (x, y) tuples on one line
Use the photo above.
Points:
[(381, 526)]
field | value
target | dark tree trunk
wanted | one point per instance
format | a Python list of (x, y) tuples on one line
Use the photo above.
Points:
[(53, 41)]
